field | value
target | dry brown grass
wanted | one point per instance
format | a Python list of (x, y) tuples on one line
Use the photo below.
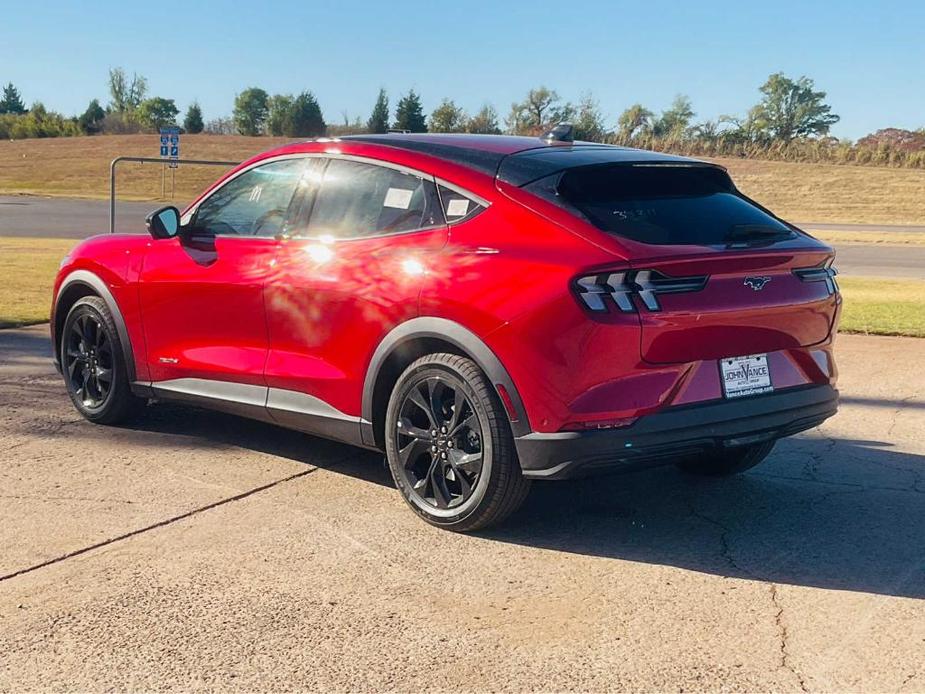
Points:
[(79, 167), (833, 193)]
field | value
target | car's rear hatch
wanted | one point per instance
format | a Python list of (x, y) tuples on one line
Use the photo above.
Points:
[(711, 273)]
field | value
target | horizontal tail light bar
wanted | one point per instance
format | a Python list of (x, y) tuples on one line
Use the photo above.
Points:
[(820, 273), (622, 286)]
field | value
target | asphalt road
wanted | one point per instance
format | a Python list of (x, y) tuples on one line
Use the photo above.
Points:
[(199, 551), (63, 218)]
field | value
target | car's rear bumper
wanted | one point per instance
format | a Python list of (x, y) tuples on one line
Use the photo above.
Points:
[(677, 432)]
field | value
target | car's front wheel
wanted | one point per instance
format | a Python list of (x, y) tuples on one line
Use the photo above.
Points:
[(449, 445), (727, 462), (93, 364)]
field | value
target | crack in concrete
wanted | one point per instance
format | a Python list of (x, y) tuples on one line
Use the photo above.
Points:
[(784, 636), (725, 548), (817, 458), (726, 553), (155, 526)]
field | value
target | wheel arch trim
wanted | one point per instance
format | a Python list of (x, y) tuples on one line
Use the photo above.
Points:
[(430, 327), (95, 283)]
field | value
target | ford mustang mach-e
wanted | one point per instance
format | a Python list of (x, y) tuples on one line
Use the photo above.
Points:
[(487, 310)]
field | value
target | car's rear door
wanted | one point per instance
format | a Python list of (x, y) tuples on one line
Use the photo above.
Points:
[(201, 293), (352, 271)]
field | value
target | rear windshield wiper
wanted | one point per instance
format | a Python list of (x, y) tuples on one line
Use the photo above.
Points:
[(756, 235)]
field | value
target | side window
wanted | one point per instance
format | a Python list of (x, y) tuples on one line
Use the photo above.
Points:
[(253, 204), (456, 206), (357, 199)]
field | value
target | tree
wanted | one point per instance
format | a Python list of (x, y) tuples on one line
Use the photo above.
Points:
[(307, 119), (634, 121), (298, 116), (409, 114), (91, 121), (539, 112), (126, 96), (251, 108), (589, 123), (676, 120), (12, 102), (379, 119), (447, 118), (485, 122), (791, 109), (279, 114), (158, 112), (192, 122)]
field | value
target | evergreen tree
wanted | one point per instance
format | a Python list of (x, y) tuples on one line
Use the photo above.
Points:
[(306, 119), (91, 121), (192, 122), (379, 120), (12, 102), (409, 115)]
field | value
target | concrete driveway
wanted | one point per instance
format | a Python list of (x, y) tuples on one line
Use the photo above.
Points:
[(200, 551)]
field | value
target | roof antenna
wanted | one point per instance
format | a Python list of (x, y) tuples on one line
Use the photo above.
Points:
[(563, 132)]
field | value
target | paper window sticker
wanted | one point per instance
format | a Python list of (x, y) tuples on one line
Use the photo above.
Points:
[(398, 198), (457, 207)]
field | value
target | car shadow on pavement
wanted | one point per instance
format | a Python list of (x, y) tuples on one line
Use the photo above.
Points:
[(822, 512), (206, 428)]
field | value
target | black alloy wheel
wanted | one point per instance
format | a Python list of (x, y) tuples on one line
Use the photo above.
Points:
[(439, 443), (88, 362)]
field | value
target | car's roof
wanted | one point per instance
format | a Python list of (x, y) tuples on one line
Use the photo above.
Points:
[(514, 159)]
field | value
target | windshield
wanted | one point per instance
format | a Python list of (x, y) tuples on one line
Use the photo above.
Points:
[(662, 204)]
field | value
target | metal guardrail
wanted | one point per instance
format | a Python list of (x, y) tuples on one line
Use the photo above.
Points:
[(149, 160)]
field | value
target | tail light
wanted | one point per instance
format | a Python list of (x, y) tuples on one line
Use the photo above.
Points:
[(825, 272), (622, 286)]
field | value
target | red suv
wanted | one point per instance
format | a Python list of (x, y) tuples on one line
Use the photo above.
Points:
[(487, 310)]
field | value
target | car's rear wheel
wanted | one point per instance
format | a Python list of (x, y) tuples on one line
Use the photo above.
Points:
[(730, 461), (93, 364), (449, 445)]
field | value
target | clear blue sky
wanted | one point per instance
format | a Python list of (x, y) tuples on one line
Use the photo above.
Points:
[(869, 57)]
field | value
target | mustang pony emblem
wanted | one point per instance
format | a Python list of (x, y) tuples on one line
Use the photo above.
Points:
[(756, 283)]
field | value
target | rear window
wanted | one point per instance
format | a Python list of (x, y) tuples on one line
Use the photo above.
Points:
[(695, 205)]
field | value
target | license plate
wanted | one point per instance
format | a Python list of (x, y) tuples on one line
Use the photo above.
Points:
[(743, 376)]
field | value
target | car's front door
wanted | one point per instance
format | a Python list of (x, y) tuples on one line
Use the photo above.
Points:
[(201, 293), (352, 271)]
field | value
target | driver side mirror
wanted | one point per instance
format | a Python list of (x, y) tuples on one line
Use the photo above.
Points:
[(163, 223)]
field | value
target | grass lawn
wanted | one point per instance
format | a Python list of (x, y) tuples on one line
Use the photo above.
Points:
[(79, 167), (27, 272), (28, 267), (883, 307)]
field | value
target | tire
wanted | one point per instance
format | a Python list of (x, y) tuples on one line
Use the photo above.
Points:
[(455, 463), (732, 461), (91, 352)]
